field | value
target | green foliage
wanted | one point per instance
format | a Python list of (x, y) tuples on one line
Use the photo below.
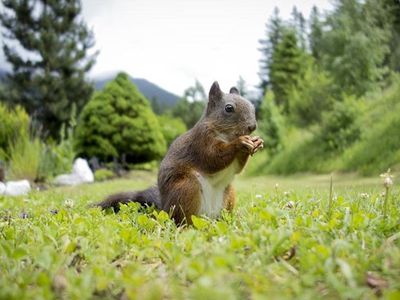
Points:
[(26, 154), (273, 34), (190, 108), (271, 124), (14, 122), (58, 158), (392, 16), (171, 127), (286, 68), (279, 243), (189, 112), (118, 123), (146, 166), (50, 63), (313, 95), (355, 45), (316, 33), (301, 152), (379, 147), (339, 127), (103, 174)]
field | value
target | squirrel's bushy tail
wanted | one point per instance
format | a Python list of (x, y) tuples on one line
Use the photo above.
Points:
[(146, 197)]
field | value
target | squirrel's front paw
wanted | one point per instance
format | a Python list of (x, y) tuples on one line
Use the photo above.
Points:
[(258, 144), (246, 143)]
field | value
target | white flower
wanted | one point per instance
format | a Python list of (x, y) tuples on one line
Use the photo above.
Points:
[(364, 195), (69, 203), (258, 196), (387, 179)]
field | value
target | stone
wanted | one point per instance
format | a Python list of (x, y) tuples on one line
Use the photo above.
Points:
[(17, 188), (68, 179), (82, 169), (81, 173)]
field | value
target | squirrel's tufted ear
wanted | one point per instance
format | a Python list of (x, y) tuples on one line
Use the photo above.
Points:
[(215, 92), (234, 90)]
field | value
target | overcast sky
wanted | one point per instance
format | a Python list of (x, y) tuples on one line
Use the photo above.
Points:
[(171, 43)]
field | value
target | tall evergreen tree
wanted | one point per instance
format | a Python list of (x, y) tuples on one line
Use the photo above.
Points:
[(299, 24), (241, 85), (272, 37), (316, 33), (287, 68), (47, 49)]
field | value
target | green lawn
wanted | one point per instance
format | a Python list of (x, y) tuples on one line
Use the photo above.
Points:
[(280, 243)]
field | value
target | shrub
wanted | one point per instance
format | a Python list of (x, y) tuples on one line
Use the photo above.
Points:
[(25, 157), (378, 150), (271, 124), (171, 127), (379, 145), (339, 127), (14, 122), (189, 112), (118, 122), (313, 95), (58, 158), (301, 153), (103, 174)]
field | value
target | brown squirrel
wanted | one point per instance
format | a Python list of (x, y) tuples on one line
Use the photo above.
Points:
[(196, 173)]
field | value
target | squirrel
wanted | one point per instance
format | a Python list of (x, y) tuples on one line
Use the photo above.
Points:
[(196, 174)]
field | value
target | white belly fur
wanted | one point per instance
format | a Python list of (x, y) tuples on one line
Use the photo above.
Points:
[(212, 190)]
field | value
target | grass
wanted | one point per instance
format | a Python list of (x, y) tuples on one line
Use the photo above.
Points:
[(279, 243)]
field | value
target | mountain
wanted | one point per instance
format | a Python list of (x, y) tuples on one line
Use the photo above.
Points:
[(157, 95)]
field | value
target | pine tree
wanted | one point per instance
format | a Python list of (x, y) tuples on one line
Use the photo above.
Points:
[(242, 87), (299, 24), (287, 68), (271, 123), (50, 62), (272, 37), (315, 34), (118, 123)]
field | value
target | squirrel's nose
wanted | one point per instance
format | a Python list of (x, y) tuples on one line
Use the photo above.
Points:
[(252, 127)]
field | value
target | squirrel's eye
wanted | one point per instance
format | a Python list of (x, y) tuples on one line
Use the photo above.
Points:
[(229, 108)]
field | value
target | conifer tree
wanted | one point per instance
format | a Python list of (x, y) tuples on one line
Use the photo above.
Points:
[(286, 68), (299, 24), (118, 123), (315, 34), (272, 38), (46, 44)]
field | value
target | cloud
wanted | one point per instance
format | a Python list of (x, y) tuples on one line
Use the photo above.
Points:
[(174, 42)]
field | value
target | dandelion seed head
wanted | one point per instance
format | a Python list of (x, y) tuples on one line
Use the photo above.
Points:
[(69, 203)]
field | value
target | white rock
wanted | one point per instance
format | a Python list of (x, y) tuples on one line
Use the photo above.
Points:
[(17, 188), (2, 188), (82, 169), (68, 179), (81, 173)]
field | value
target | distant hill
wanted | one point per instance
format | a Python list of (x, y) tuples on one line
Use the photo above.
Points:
[(156, 95), (159, 97)]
